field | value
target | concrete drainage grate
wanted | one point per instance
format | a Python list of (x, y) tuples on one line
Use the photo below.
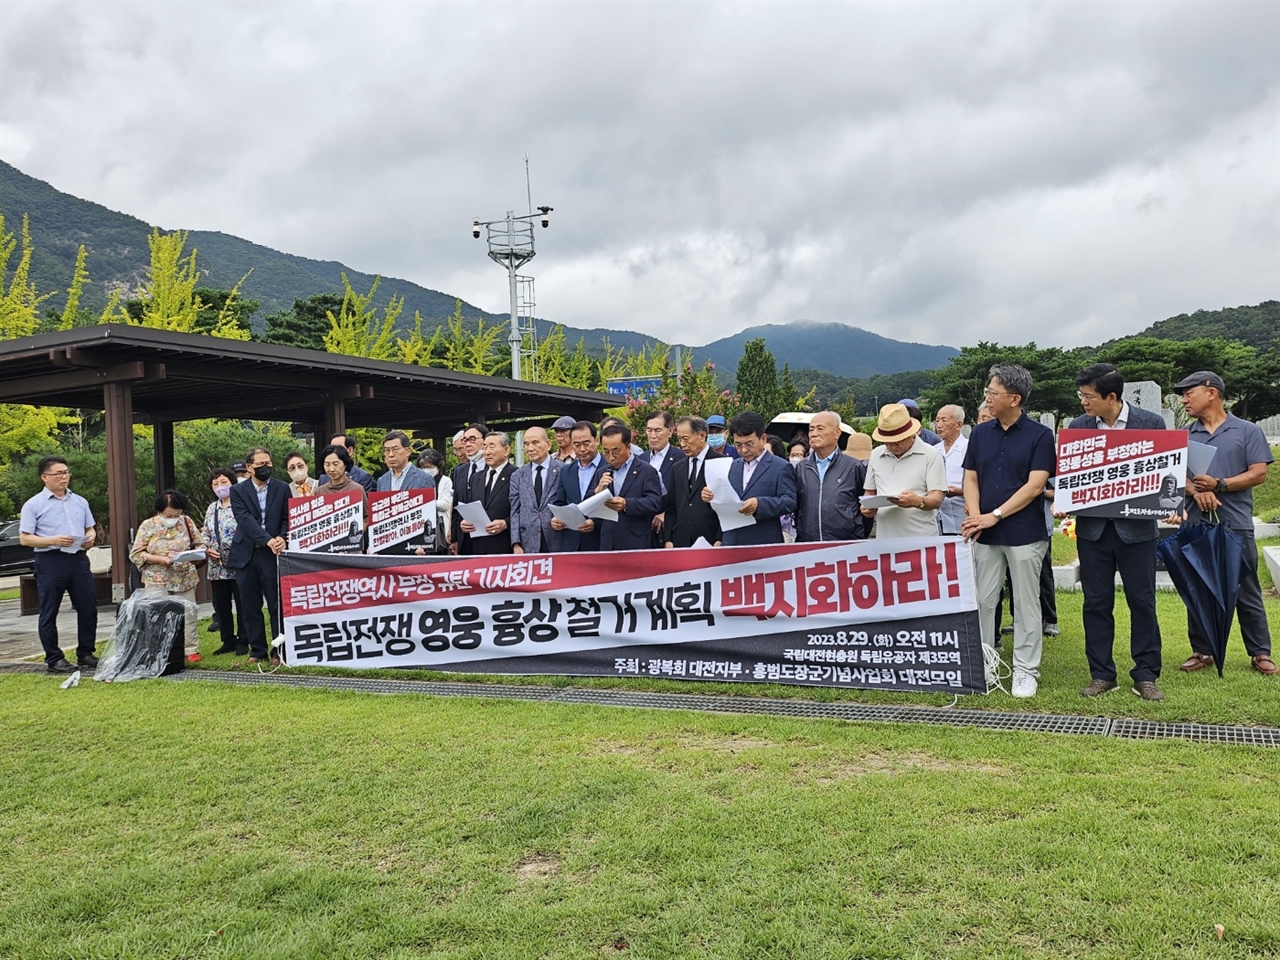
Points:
[(855, 712)]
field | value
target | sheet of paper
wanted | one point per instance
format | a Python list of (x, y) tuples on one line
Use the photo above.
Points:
[(473, 511), (700, 544), (876, 502), (189, 556), (75, 547), (730, 518), (594, 506), (1199, 458), (570, 514)]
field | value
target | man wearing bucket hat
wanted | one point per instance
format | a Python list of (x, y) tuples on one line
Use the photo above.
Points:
[(1009, 461), (908, 471)]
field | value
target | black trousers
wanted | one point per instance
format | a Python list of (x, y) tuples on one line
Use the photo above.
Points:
[(259, 581), (59, 573), (1100, 560), (1250, 613), (224, 592)]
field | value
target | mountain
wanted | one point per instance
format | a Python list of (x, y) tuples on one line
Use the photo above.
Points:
[(1257, 326), (119, 256), (835, 347)]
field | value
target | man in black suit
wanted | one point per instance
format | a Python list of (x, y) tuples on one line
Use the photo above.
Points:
[(687, 516), (637, 493), (492, 488), (472, 463), (1110, 544), (662, 454), (261, 508)]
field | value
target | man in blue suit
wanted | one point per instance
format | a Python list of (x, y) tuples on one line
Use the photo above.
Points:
[(766, 484), (534, 488), (1111, 544), (261, 508), (577, 483), (637, 493)]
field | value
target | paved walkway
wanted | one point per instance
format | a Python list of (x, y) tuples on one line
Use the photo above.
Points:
[(20, 639)]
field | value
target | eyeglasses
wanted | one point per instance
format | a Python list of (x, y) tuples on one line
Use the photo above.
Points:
[(995, 393), (59, 473), (1087, 397)]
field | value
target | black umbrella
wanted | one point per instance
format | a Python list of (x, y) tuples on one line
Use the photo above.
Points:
[(1205, 562)]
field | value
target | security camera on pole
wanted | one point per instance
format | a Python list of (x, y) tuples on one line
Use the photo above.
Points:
[(511, 244)]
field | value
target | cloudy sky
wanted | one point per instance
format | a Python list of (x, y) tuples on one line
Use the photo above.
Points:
[(935, 172)]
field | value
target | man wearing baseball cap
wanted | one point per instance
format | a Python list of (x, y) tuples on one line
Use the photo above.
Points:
[(718, 438), (563, 429), (1239, 464)]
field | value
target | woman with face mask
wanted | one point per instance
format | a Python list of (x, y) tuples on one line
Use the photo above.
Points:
[(219, 530), (432, 461), (300, 485), (160, 538)]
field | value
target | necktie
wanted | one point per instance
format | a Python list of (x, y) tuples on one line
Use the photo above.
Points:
[(694, 464), (537, 483), (488, 489)]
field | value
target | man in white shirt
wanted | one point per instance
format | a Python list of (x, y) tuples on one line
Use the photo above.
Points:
[(907, 470), (952, 447)]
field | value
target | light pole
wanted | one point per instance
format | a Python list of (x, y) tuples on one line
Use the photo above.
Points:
[(511, 245)]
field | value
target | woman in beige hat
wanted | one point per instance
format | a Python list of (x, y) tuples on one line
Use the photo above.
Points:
[(908, 471)]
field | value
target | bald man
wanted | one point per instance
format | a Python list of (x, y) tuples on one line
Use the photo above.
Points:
[(828, 486)]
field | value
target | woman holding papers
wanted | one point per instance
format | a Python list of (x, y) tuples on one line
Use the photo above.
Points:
[(166, 550)]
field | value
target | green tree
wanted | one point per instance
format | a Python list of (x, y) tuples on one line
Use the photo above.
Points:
[(19, 301), (757, 379), (305, 325), (356, 330)]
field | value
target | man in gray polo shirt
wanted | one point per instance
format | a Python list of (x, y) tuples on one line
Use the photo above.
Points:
[(58, 524), (1239, 465)]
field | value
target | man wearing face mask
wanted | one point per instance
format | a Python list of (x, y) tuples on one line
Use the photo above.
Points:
[(262, 524), (717, 436)]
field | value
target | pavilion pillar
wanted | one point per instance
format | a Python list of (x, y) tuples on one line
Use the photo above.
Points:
[(162, 451), (335, 421), (122, 480)]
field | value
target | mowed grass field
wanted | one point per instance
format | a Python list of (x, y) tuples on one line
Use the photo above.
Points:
[(157, 820)]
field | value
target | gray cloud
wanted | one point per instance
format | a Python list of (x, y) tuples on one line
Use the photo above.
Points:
[(944, 173)]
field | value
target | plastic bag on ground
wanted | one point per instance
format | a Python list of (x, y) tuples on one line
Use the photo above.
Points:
[(151, 627)]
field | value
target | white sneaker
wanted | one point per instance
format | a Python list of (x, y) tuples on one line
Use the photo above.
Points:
[(1024, 685)]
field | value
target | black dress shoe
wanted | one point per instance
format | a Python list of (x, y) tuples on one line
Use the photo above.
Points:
[(87, 661), (59, 666), (225, 648)]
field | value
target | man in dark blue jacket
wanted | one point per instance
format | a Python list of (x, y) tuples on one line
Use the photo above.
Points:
[(766, 484), (828, 486), (636, 489), (578, 483), (1111, 544), (261, 508)]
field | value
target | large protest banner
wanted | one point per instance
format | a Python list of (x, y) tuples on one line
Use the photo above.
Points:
[(877, 614), (1120, 473), (327, 523), (402, 521)]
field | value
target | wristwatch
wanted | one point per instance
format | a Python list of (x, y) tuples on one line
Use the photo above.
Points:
[(998, 513), (1222, 485)]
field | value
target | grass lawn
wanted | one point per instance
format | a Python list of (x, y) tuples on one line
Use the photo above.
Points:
[(1240, 696), (158, 820)]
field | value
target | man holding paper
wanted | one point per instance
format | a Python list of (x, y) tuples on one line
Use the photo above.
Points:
[(59, 525), (535, 488), (488, 531), (636, 493), (765, 485), (577, 483), (908, 476), (687, 516)]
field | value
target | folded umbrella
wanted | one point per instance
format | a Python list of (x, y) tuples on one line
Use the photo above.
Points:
[(1205, 561)]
